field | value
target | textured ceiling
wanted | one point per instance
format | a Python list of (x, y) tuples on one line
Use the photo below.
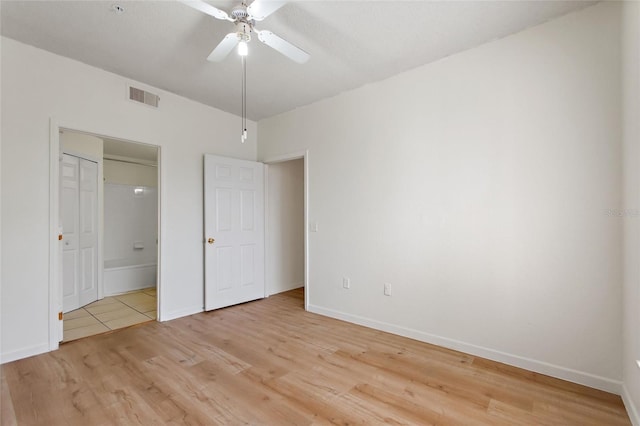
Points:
[(352, 43)]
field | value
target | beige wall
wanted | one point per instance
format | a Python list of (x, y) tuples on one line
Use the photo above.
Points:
[(80, 143), (630, 213), (38, 86), (481, 188), (130, 174)]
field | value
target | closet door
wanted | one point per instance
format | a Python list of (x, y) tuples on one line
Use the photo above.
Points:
[(88, 232), (79, 214)]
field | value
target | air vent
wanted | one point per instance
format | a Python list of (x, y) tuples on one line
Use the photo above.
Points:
[(143, 97)]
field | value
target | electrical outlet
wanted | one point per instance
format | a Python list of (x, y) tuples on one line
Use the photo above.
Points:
[(387, 289), (346, 283)]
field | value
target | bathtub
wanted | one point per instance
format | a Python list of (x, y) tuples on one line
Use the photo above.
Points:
[(122, 275)]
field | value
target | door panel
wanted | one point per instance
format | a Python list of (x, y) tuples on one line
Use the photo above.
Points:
[(70, 171), (223, 210), (247, 210), (88, 270), (79, 217), (234, 217), (224, 268), (88, 240), (69, 280), (247, 262)]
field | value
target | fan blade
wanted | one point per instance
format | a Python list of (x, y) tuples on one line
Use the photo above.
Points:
[(223, 48), (208, 9), (287, 49), (260, 9)]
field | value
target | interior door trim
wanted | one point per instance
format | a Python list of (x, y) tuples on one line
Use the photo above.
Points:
[(55, 247)]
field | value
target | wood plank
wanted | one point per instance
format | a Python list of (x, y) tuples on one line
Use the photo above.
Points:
[(270, 362), (7, 413)]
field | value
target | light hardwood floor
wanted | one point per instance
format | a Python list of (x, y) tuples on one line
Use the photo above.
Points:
[(271, 363)]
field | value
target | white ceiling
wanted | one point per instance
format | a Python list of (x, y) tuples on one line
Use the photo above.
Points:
[(352, 43)]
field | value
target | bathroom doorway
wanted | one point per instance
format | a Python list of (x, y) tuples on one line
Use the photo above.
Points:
[(127, 259)]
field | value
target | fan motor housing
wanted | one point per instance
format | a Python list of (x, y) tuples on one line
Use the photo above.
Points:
[(243, 30), (240, 12)]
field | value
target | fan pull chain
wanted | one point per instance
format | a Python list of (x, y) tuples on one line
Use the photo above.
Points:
[(244, 100)]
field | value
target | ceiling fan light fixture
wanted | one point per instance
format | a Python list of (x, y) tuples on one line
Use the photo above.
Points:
[(243, 48), (244, 17)]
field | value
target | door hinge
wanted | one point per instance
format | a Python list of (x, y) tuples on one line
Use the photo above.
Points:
[(59, 237), (59, 316)]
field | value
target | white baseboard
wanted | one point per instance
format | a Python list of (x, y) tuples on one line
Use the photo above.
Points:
[(181, 313), (632, 410), (541, 367), (24, 353)]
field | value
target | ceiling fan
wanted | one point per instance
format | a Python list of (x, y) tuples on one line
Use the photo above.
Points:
[(244, 17)]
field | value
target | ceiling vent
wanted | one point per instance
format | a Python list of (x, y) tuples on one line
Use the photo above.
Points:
[(144, 97)]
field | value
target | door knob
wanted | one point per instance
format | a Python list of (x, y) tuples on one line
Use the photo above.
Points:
[(211, 241)]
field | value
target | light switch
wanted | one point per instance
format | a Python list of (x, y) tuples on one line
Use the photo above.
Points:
[(314, 226), (346, 283), (387, 289)]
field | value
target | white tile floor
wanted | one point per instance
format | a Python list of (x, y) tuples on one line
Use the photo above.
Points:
[(110, 313)]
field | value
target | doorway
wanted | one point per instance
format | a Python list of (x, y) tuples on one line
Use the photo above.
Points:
[(287, 225), (128, 226)]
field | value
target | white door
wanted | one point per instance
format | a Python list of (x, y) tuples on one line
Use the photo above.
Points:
[(234, 231), (79, 217)]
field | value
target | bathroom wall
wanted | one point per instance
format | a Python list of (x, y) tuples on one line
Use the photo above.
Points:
[(130, 174), (130, 224), (131, 238)]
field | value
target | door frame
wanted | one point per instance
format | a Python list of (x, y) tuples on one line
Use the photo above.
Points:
[(55, 248), (304, 155)]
